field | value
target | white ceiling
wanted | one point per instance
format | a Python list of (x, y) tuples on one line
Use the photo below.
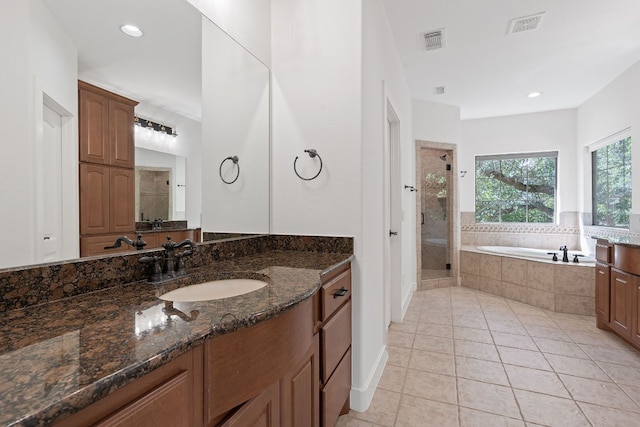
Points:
[(161, 68), (580, 47)]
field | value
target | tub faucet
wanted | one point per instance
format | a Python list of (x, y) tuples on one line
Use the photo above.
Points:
[(565, 253)]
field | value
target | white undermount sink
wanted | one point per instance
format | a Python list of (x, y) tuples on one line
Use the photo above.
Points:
[(216, 289)]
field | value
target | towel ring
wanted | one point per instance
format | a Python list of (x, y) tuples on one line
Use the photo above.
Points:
[(312, 153), (234, 159)]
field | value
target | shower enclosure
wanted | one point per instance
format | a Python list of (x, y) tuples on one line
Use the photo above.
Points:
[(435, 172)]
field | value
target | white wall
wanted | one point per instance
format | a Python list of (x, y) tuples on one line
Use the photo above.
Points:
[(382, 79), (435, 122), (554, 130), (235, 122), (246, 21), (611, 110), (37, 57)]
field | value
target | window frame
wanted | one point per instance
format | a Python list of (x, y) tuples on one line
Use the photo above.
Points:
[(554, 154), (593, 148)]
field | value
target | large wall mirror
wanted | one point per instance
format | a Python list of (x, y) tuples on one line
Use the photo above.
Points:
[(184, 71)]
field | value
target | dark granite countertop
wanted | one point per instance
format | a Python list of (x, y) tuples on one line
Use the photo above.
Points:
[(59, 357), (632, 241)]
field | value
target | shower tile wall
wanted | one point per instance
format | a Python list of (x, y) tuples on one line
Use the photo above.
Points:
[(154, 194)]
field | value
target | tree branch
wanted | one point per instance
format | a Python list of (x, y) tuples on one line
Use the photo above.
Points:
[(542, 188)]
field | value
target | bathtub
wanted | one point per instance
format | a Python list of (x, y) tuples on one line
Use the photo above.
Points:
[(536, 254), (530, 276)]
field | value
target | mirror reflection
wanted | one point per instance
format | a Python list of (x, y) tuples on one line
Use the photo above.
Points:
[(56, 43)]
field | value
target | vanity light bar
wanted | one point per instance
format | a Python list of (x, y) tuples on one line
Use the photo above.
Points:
[(158, 127)]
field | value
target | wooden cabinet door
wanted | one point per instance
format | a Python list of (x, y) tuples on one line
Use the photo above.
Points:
[(122, 200), (261, 411), (94, 127), (635, 314), (301, 391), (94, 199), (603, 288), (121, 144), (621, 302)]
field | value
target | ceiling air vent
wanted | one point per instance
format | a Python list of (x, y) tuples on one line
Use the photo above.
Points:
[(438, 90), (526, 23), (434, 39)]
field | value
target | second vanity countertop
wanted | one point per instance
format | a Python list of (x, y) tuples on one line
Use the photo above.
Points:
[(60, 357)]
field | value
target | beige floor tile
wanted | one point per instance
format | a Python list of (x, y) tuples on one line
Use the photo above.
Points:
[(549, 410), (392, 378), (601, 416), (612, 355), (549, 333), (438, 318), (437, 363), (632, 391), (481, 370), (476, 350), (350, 421), (471, 334), (399, 356), (536, 380), (508, 327), (400, 339), (485, 397), (530, 320), (525, 358), (599, 393), (435, 330), (597, 338), (473, 418), (577, 367), (476, 322), (441, 388), (513, 340), (562, 348), (404, 326), (411, 316), (436, 344), (622, 374), (415, 411), (382, 410)]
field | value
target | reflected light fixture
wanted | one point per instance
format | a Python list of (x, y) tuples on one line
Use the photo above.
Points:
[(534, 94), (153, 126), (131, 30)]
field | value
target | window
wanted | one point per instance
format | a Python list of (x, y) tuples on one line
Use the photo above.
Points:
[(516, 187), (611, 168)]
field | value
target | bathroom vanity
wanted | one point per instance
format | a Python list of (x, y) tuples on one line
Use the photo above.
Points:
[(618, 288), (278, 356)]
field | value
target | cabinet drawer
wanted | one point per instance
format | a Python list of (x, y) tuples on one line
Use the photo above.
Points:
[(603, 252), (335, 293), (335, 340), (627, 258), (335, 394)]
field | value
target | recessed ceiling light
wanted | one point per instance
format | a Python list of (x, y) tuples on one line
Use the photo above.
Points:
[(534, 94), (131, 30)]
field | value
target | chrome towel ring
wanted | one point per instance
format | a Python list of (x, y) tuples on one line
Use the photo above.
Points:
[(312, 153), (234, 159)]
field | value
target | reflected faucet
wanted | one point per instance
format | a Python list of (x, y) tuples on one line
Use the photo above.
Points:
[(138, 244)]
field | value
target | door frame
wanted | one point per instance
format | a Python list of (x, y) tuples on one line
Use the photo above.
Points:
[(454, 232)]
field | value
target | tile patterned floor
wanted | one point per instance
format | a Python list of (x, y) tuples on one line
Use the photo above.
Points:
[(464, 358)]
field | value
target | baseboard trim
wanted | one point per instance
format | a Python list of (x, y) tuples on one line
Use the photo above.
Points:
[(361, 396)]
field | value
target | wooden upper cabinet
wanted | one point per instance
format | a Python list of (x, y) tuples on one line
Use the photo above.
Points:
[(106, 127), (121, 137), (94, 127)]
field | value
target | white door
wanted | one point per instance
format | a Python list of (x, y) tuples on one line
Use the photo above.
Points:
[(50, 188)]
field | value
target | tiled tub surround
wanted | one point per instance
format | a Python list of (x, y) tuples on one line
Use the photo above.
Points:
[(60, 356), (556, 286)]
